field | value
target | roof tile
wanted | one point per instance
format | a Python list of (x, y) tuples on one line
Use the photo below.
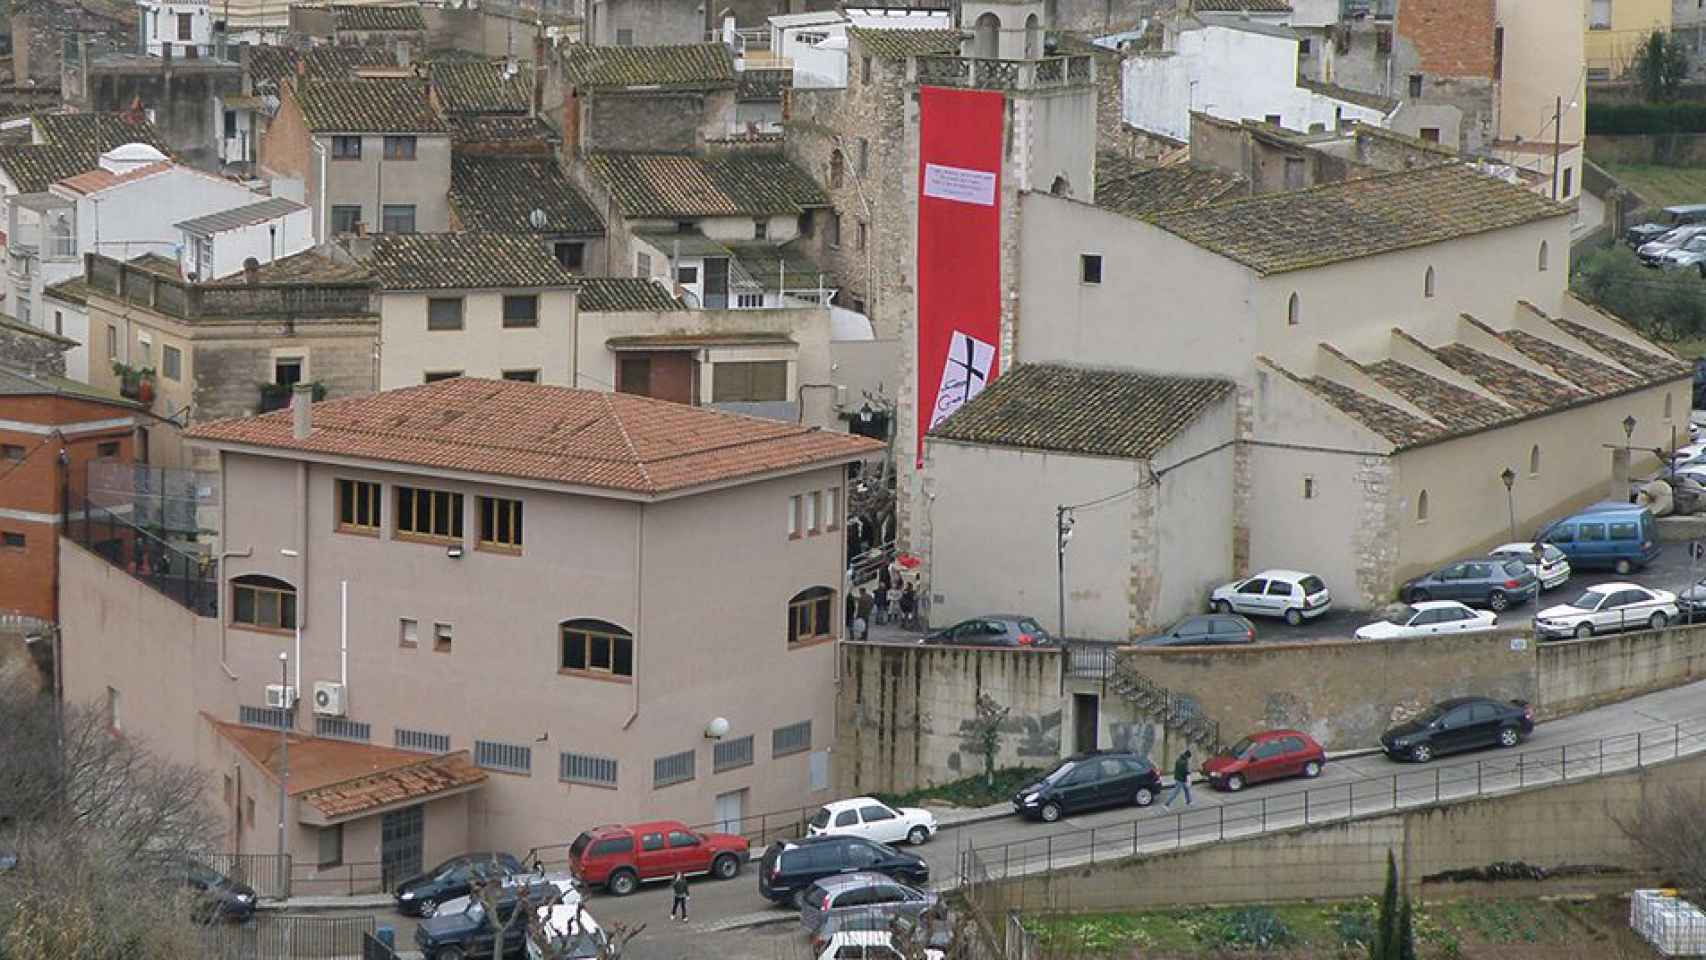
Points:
[(506, 130), (1586, 373), (379, 16), (1648, 363), (1528, 392), (678, 185), (616, 68), (270, 64), (613, 294), (97, 132), (482, 86), (501, 193), (1142, 192), (373, 105), (898, 44), (1241, 6), (463, 261)]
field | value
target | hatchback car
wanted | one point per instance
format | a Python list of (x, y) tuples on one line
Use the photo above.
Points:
[(1267, 755), (1652, 252), (1606, 608), (1691, 255), (1550, 566), (790, 866), (620, 857), (935, 931), (420, 896), (1290, 594), (1203, 629), (1495, 584), (1404, 620), (214, 896), (1464, 723), (1087, 781), (993, 630), (874, 820), (870, 894), (864, 945)]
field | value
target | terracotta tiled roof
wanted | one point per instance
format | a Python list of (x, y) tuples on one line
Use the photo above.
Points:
[(1588, 374), (1358, 218), (374, 16), (677, 185), (500, 193), (1431, 393), (616, 68), (480, 86), (1528, 392), (374, 105), (472, 129), (463, 261), (1648, 363), (1241, 6), (1111, 413), (269, 63), (35, 167), (1142, 192), (100, 178), (97, 132), (898, 44), (579, 438), (612, 294), (758, 84)]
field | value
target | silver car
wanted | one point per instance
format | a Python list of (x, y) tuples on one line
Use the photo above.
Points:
[(1689, 256), (1652, 252), (868, 893)]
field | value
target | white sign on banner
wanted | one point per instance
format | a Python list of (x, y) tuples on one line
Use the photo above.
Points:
[(958, 183)]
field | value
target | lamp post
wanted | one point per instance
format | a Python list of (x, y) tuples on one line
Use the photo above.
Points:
[(1509, 478), (284, 745), (1062, 536), (1628, 430)]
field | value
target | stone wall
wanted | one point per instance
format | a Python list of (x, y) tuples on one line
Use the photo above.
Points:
[(1574, 675), (31, 349), (1670, 149), (229, 373), (656, 121), (178, 96)]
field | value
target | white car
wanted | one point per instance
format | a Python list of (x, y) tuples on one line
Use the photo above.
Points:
[(1291, 594), (874, 820), (1427, 618), (1605, 608), (866, 945), (574, 928), (565, 883), (1552, 570)]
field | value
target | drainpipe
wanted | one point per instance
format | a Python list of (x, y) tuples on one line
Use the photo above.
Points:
[(639, 605), (219, 573), (301, 406)]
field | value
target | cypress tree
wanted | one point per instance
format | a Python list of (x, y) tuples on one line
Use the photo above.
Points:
[(1406, 947), (1386, 932)]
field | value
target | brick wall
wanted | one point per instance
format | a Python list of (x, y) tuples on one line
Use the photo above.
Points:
[(1452, 38)]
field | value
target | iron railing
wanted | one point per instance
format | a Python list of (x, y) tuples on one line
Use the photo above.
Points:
[(268, 873), (188, 578), (373, 948), (287, 937), (993, 74)]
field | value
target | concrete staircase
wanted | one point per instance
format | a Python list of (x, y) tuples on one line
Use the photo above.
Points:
[(1178, 714)]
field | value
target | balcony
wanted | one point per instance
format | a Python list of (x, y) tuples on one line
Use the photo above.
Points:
[(1049, 73), (185, 576)]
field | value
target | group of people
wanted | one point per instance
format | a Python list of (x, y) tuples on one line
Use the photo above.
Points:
[(887, 604)]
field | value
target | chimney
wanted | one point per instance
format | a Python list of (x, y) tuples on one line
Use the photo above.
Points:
[(251, 271), (301, 413), (21, 48)]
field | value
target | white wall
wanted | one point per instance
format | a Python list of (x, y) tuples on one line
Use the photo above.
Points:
[(232, 247), (70, 320), (160, 26), (137, 217), (1193, 525), (484, 347)]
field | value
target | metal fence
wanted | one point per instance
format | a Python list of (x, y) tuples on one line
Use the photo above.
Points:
[(288, 937), (373, 948), (1421, 786), (268, 873), (186, 577)]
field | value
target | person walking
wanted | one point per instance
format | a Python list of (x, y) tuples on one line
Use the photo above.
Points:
[(1181, 779), (909, 607), (678, 886), (864, 614), (852, 612), (881, 608)]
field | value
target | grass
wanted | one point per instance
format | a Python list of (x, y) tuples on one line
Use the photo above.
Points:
[(967, 791), (1661, 186)]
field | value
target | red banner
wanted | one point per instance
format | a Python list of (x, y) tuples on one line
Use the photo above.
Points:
[(959, 249)]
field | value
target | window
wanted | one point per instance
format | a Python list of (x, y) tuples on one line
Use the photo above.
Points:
[(358, 506), (1430, 134), (230, 124), (731, 754), (749, 382), (791, 739), (1498, 53), (1296, 173), (571, 254), (262, 601), (331, 846), (112, 342), (12, 451), (1303, 47), (429, 513), (596, 646), (13, 541), (59, 322), (1293, 311), (421, 740), (249, 812), (186, 26), (521, 310), (859, 237), (443, 636), (793, 517), (112, 710), (1415, 84), (505, 757), (642, 264), (804, 224), (522, 376), (1569, 177), (1428, 283), (687, 274), (586, 768), (1545, 256), (811, 615), (171, 363), (106, 449), (760, 229), (1308, 487), (444, 313), (624, 37), (1089, 268), (864, 161), (837, 168), (813, 501), (671, 769), (399, 148), (434, 376), (397, 218), (1534, 460), (500, 523), (864, 69), (832, 508), (1422, 507), (1667, 406), (832, 232), (408, 633), (1274, 119), (345, 218), (1599, 15), (346, 148)]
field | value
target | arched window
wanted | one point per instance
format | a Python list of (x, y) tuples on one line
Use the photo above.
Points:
[(1033, 38), (1422, 507), (1534, 460), (597, 647), (1060, 187), (262, 601), (1667, 406), (811, 615), (1544, 251), (1428, 283), (1293, 313), (986, 37), (837, 168)]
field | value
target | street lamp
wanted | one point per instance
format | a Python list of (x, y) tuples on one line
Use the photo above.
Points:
[(1062, 536), (1509, 478), (284, 744)]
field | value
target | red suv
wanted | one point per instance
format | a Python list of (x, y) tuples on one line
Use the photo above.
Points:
[(620, 857), (1268, 755)]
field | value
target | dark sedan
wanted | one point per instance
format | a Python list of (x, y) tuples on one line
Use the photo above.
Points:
[(1087, 781), (215, 897), (1465, 723), (993, 630), (1494, 584), (1692, 603), (1204, 629), (421, 895)]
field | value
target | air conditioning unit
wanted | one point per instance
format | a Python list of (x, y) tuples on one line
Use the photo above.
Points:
[(328, 699), (280, 697)]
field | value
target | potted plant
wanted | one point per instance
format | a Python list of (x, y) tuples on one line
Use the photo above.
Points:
[(129, 380), (145, 385)]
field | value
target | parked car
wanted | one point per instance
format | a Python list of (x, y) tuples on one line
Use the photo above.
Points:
[(874, 820), (1427, 618), (1552, 568), (993, 630), (1668, 219), (1691, 255), (1653, 251), (1266, 755), (574, 929), (864, 945), (871, 894), (1086, 781), (539, 887), (214, 897), (935, 931), (470, 932), (1463, 723), (790, 866), (1491, 583), (1691, 603), (1203, 629), (1606, 608), (1290, 594), (619, 858), (1608, 534), (420, 895)]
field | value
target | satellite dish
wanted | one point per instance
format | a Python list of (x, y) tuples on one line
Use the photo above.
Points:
[(538, 219)]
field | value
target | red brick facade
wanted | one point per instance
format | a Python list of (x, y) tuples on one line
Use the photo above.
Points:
[(1452, 38)]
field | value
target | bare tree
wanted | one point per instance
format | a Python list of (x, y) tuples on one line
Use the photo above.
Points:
[(534, 901), (986, 732), (1669, 828)]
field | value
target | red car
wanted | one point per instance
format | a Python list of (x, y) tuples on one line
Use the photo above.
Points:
[(620, 857), (1268, 755)]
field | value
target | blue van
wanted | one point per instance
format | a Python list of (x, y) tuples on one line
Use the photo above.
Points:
[(1609, 534)]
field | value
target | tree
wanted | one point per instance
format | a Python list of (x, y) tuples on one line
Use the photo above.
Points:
[(1666, 305), (986, 733), (1669, 831), (1660, 67), (548, 924), (1386, 925)]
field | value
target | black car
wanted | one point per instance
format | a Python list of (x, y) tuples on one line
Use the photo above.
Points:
[(1464, 723), (215, 897), (790, 866), (1087, 781), (420, 896), (1482, 582), (471, 933), (1202, 630), (993, 630)]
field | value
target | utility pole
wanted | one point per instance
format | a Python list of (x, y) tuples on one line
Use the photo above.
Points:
[(1062, 536)]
